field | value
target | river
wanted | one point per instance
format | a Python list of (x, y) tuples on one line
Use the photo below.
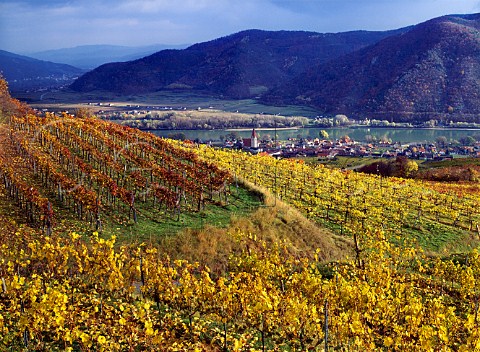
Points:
[(360, 134)]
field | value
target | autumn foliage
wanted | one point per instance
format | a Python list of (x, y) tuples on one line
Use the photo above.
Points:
[(73, 292), (70, 293), (8, 105)]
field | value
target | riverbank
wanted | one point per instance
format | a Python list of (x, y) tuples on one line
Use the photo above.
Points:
[(360, 134), (263, 129)]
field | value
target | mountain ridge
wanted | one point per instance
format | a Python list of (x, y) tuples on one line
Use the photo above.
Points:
[(428, 72), (417, 73), (91, 56), (241, 65)]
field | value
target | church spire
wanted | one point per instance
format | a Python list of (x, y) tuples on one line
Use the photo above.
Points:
[(254, 139)]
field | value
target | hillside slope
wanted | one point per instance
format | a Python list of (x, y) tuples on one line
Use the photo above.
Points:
[(429, 72), (137, 187), (77, 289), (23, 72), (244, 64)]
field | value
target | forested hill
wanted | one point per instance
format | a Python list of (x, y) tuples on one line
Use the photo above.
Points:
[(245, 64), (431, 71), (23, 72)]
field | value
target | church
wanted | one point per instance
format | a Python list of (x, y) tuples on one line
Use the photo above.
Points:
[(252, 143)]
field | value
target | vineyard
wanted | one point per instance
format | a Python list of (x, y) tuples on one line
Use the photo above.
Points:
[(93, 167), (437, 215), (411, 284)]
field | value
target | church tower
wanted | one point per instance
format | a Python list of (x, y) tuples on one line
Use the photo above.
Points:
[(254, 139)]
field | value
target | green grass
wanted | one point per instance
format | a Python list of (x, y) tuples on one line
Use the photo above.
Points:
[(344, 162), (435, 237), (450, 163), (432, 236), (153, 226)]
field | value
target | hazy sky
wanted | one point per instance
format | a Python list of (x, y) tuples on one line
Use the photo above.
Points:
[(35, 25)]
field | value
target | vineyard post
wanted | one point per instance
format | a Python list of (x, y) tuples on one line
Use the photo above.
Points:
[(476, 310), (142, 275), (132, 207), (146, 190), (304, 175), (336, 273), (225, 191), (25, 332), (263, 333), (357, 249), (25, 337), (177, 204), (225, 346), (48, 220), (98, 222), (275, 183), (236, 182), (326, 325)]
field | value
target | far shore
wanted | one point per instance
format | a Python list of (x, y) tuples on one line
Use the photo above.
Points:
[(261, 129)]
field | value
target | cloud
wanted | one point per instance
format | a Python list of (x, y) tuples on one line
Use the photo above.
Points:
[(33, 25), (161, 6)]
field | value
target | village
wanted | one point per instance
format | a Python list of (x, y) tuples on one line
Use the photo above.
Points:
[(322, 148), (325, 149)]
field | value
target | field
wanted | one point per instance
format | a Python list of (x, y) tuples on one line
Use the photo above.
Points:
[(116, 240), (68, 99)]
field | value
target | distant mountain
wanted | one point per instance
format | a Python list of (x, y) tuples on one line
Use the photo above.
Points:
[(431, 71), (91, 56), (22, 72), (245, 64)]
